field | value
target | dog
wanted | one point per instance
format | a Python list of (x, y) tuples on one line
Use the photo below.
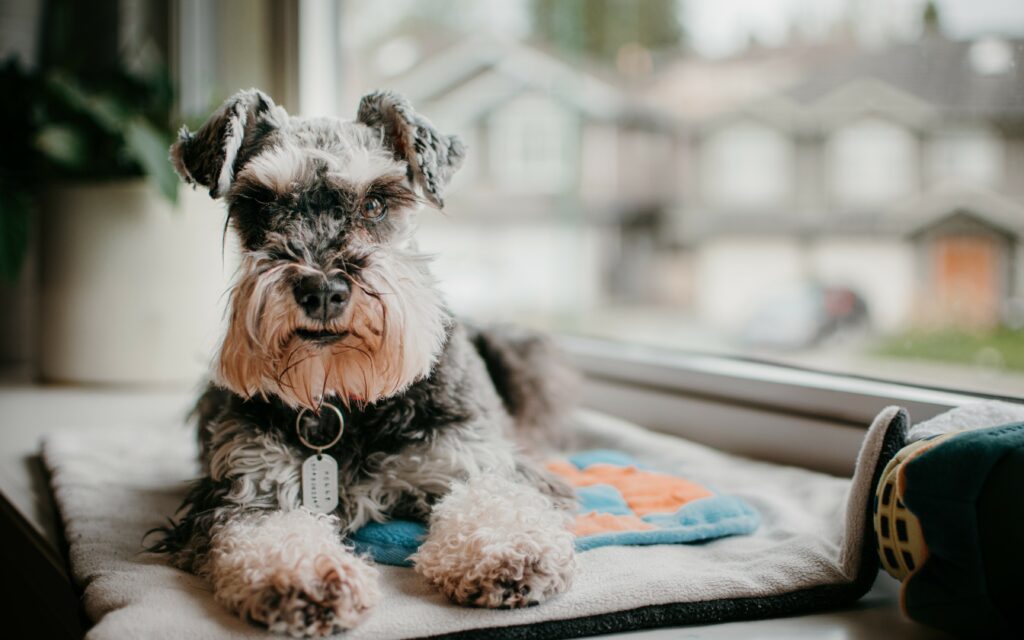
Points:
[(340, 352)]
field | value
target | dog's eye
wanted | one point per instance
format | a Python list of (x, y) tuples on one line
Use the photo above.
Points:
[(374, 209)]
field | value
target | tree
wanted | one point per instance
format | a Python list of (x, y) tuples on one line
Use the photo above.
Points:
[(600, 28), (931, 19)]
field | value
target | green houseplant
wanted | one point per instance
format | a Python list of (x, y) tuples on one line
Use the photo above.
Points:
[(127, 281), (59, 128)]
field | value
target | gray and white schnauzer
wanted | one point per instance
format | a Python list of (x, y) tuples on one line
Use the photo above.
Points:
[(345, 392)]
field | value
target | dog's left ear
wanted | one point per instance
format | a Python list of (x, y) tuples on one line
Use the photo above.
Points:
[(433, 158)]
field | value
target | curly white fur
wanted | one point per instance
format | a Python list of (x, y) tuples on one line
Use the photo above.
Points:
[(264, 471), (290, 572), (496, 543)]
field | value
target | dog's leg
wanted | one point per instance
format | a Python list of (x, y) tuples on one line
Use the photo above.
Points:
[(497, 543), (288, 570)]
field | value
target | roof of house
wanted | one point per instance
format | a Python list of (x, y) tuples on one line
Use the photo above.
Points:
[(915, 83), (950, 201), (476, 74), (939, 206), (979, 79), (697, 88)]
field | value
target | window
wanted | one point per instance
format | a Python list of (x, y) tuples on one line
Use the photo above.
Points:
[(871, 163), (802, 184), (833, 185), (531, 148), (747, 165), (969, 154)]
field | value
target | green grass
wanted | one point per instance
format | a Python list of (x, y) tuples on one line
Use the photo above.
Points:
[(1002, 348)]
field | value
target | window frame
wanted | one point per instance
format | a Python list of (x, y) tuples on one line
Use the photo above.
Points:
[(765, 410)]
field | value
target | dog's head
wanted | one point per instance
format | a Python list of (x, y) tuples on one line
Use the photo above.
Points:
[(332, 298)]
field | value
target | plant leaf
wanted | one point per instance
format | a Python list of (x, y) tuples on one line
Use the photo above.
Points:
[(148, 146), (15, 217), (63, 145), (103, 109)]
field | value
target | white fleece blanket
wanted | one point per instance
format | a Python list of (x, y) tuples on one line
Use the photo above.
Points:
[(968, 417), (114, 485)]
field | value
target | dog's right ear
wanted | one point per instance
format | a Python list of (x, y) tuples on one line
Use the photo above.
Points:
[(210, 156)]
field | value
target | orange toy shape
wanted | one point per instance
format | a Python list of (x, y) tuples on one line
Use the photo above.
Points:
[(645, 492)]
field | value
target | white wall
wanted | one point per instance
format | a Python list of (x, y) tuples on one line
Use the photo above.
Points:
[(645, 160), (501, 269), (132, 290), (599, 163), (734, 275)]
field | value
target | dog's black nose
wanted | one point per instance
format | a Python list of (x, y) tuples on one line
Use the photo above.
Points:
[(321, 299)]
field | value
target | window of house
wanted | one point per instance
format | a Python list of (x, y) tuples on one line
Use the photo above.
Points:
[(531, 145), (871, 163), (747, 165), (970, 155)]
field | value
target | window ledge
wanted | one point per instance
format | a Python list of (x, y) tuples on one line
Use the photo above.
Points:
[(774, 412)]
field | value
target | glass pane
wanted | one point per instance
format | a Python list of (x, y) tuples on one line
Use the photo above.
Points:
[(831, 183)]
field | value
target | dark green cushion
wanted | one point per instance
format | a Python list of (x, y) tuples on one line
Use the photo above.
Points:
[(968, 493)]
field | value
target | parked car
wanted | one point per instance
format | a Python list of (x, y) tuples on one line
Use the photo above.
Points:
[(805, 316)]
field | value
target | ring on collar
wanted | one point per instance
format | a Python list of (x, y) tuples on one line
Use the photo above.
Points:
[(302, 438)]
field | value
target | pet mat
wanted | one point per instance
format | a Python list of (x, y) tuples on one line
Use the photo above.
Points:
[(621, 501), (812, 550)]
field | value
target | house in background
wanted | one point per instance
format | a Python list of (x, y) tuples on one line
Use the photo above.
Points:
[(563, 169), (968, 259), (897, 173)]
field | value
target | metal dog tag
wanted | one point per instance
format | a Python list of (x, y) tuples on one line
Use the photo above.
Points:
[(320, 483)]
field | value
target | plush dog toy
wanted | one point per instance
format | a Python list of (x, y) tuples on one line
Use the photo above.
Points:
[(949, 520)]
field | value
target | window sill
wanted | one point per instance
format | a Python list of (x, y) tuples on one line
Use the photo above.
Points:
[(773, 412)]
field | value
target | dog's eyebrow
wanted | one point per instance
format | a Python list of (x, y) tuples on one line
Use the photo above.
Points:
[(388, 179), (392, 188)]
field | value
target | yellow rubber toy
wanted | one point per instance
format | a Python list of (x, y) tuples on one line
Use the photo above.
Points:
[(901, 546)]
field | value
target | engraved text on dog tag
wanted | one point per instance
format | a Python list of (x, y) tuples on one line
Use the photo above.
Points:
[(320, 483)]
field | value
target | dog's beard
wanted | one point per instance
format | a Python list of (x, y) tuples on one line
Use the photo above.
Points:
[(389, 336)]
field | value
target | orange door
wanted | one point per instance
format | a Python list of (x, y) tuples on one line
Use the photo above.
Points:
[(966, 281)]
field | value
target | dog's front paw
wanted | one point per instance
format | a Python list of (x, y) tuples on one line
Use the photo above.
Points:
[(289, 572), (507, 580), (497, 544), (337, 597)]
